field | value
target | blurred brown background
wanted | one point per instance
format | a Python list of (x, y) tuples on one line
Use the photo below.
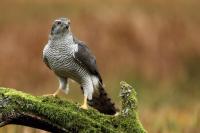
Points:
[(154, 45)]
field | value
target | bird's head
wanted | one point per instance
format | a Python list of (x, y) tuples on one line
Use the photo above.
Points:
[(60, 27)]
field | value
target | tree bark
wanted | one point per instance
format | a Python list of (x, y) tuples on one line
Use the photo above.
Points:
[(60, 116)]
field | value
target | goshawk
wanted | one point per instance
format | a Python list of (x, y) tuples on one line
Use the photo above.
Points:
[(70, 58)]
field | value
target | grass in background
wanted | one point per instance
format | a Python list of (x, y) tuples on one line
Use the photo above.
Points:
[(154, 45)]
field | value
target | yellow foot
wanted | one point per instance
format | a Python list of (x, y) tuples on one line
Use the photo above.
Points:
[(84, 106), (116, 114), (54, 94), (47, 95)]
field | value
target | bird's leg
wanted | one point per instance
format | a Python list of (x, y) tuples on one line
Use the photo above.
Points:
[(62, 86), (65, 88), (84, 106), (56, 92)]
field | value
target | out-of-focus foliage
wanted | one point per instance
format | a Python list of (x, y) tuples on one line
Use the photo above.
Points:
[(153, 44)]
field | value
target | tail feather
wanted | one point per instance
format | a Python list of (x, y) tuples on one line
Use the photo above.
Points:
[(102, 102)]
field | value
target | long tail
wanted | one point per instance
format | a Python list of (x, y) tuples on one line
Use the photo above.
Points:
[(102, 102)]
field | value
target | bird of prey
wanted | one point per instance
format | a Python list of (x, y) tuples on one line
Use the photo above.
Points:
[(70, 58)]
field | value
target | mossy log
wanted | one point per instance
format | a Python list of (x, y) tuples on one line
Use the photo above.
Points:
[(57, 115)]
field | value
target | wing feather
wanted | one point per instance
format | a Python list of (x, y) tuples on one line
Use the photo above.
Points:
[(84, 57)]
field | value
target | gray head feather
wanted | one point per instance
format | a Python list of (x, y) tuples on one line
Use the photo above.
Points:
[(60, 27)]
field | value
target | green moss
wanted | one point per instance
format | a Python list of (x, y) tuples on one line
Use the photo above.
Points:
[(70, 115)]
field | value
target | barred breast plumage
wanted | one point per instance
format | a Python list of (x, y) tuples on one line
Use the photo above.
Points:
[(59, 54)]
